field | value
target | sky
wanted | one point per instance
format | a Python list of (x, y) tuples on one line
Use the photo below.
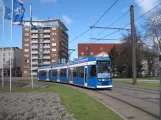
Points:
[(78, 15)]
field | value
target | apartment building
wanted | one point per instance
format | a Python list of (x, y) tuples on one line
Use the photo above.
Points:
[(16, 61), (45, 47)]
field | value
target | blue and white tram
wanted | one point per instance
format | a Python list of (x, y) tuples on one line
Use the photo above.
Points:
[(91, 72)]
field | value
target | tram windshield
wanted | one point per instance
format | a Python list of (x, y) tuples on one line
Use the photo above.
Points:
[(103, 69)]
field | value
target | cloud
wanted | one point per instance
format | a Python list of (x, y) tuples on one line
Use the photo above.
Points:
[(147, 4), (48, 1), (66, 19)]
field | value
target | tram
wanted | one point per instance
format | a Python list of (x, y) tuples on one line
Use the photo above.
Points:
[(91, 72)]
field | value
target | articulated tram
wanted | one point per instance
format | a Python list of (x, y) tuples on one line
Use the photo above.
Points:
[(91, 72)]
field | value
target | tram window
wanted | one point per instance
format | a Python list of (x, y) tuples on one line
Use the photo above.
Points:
[(42, 73), (81, 71), (93, 71), (74, 72), (54, 73), (63, 72)]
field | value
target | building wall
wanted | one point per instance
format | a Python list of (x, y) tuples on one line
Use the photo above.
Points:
[(95, 49), (16, 61)]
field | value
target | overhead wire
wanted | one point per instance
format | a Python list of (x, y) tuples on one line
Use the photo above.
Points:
[(134, 21), (95, 22), (118, 19)]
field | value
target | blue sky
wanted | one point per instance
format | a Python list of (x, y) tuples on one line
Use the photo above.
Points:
[(78, 15)]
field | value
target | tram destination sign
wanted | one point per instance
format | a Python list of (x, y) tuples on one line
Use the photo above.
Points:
[(103, 62)]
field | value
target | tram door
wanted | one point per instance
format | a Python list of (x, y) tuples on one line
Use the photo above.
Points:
[(85, 76), (71, 75), (58, 74), (47, 75)]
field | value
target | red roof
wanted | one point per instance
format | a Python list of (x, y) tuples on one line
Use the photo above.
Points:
[(95, 48)]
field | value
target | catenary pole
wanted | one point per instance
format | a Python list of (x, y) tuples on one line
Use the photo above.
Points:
[(133, 37)]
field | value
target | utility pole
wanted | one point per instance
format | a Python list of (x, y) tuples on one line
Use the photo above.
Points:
[(133, 37)]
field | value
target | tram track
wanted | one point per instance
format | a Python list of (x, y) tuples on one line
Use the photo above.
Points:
[(138, 89), (136, 97), (149, 113)]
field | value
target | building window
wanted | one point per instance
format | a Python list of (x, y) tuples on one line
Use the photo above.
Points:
[(26, 34), (26, 55), (53, 44), (26, 61), (86, 47), (92, 53), (53, 55), (26, 39), (53, 49), (26, 29), (26, 45), (82, 53), (26, 66), (26, 50), (53, 39), (54, 33), (101, 48), (26, 71), (53, 28)]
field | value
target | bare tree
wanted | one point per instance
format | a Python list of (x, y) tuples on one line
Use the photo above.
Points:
[(153, 41), (153, 29)]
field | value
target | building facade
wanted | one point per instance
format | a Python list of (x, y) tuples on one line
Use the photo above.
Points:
[(94, 49), (16, 61), (45, 47)]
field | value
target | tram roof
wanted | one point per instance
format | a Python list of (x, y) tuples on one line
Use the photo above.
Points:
[(88, 59), (82, 60)]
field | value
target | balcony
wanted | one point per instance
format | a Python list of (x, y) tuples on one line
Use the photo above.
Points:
[(34, 52), (34, 41), (46, 57), (34, 31), (34, 68), (46, 31), (46, 52), (34, 62), (46, 41), (35, 47), (46, 36), (46, 63), (34, 57), (47, 46), (34, 36)]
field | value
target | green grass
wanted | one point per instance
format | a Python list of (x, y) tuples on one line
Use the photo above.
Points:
[(27, 81), (140, 84), (149, 78), (142, 78), (83, 106)]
